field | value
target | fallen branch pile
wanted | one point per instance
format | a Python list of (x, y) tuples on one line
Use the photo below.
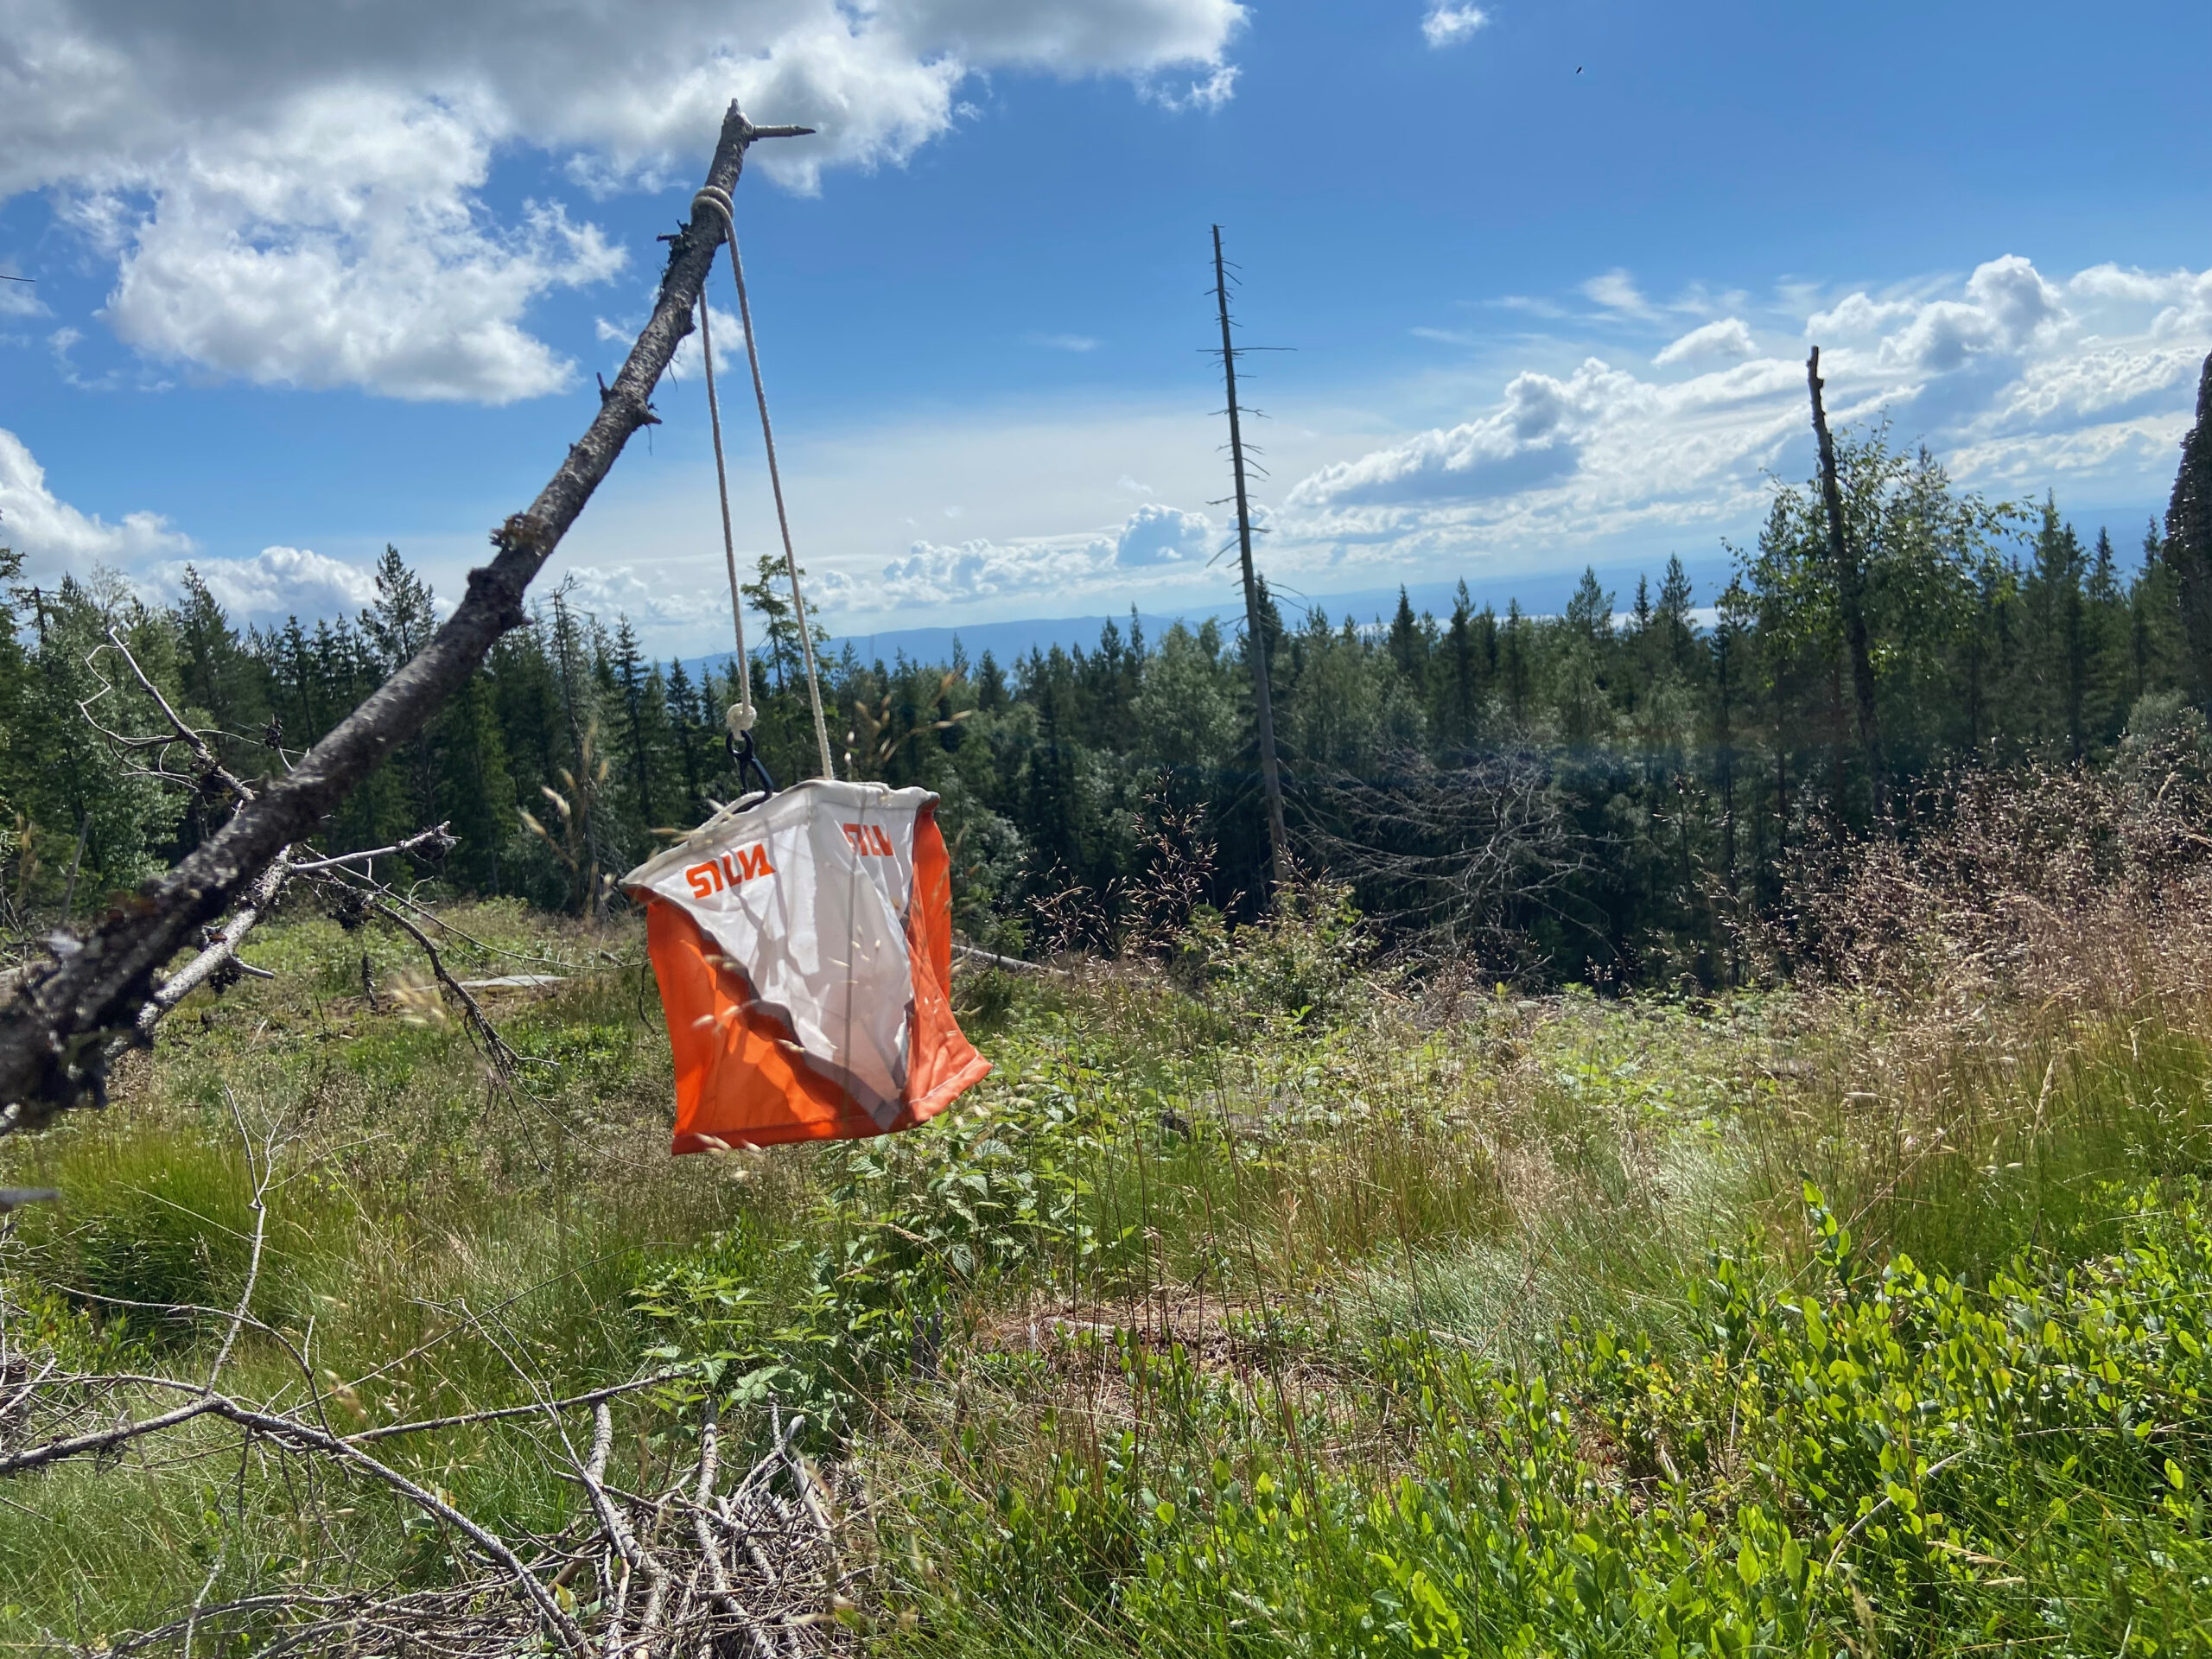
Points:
[(705, 1566), (700, 1565)]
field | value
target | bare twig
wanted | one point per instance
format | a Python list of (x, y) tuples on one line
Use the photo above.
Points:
[(103, 1440), (558, 1623), (212, 769), (992, 959), (495, 1047), (436, 839), (267, 1167), (703, 1511), (462, 1420)]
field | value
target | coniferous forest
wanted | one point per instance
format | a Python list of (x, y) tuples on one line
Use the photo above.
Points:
[(1612, 793)]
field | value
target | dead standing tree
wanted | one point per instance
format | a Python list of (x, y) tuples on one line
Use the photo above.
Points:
[(1851, 598), (62, 1014), (1257, 635)]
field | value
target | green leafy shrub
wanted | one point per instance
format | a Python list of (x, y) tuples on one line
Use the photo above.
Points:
[(1302, 964), (991, 1191), (1883, 1461)]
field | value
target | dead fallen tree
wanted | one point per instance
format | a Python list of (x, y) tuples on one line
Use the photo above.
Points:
[(62, 1011)]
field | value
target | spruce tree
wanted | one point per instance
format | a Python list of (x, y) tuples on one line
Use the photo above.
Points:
[(1408, 649), (219, 679), (397, 625), (474, 785), (96, 826), (1515, 669), (689, 722), (1463, 680), (646, 738), (1590, 610), (2106, 627), (1679, 636), (990, 685), (2188, 541)]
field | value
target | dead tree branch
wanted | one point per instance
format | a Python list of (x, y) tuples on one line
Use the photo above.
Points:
[(1850, 587), (436, 839), (211, 768), (1460, 860), (743, 1567), (54, 1026), (496, 1049), (221, 951), (220, 955)]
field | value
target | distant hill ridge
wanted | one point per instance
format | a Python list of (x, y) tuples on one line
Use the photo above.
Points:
[(1541, 593)]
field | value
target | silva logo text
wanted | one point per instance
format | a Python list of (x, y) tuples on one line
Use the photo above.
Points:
[(709, 878), (869, 839)]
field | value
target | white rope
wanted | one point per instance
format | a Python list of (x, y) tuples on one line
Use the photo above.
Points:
[(719, 200), (741, 717)]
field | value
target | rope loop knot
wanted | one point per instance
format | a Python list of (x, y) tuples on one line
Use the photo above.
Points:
[(714, 196)]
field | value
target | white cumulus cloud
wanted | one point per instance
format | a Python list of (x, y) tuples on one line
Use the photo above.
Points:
[(1155, 543), (1447, 24), (1538, 434), (619, 590), (1156, 535), (276, 583), (295, 194), (50, 533), (2018, 379), (1728, 338), (934, 573)]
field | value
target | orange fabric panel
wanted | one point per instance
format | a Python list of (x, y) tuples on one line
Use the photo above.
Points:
[(738, 1077), (941, 1062), (740, 1080)]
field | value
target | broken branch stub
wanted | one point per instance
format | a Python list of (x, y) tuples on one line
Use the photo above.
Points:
[(55, 1022)]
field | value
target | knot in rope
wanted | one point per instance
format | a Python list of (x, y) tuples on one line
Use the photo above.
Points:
[(713, 196)]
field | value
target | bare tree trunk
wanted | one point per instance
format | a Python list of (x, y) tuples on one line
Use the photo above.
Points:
[(1262, 693), (53, 1027), (1851, 598)]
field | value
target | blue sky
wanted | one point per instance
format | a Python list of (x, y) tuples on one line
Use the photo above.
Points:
[(306, 286)]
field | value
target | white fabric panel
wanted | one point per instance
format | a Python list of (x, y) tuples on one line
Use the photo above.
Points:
[(806, 894)]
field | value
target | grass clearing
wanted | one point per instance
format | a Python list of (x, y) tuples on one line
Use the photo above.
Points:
[(1300, 1310)]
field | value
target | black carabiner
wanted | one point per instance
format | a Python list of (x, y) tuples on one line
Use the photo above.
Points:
[(743, 751)]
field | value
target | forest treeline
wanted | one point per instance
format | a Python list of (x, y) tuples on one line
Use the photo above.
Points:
[(1606, 793)]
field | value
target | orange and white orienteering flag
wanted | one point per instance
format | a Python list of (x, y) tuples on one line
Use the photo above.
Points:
[(805, 953)]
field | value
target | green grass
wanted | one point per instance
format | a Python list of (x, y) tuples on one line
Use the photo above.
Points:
[(1284, 1308)]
